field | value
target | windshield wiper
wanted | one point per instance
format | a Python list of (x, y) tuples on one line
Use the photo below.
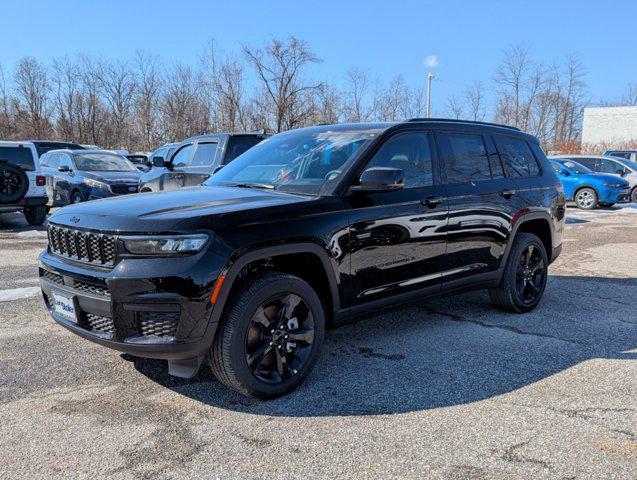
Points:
[(264, 186)]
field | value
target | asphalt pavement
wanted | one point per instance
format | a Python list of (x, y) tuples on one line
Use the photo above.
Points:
[(447, 389)]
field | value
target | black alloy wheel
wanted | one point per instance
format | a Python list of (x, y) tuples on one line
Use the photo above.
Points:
[(524, 277), (279, 338), (530, 274), (269, 340)]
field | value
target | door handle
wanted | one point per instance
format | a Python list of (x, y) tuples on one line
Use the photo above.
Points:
[(431, 201), (507, 193)]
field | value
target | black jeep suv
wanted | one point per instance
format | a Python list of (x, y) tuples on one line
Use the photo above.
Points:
[(303, 230)]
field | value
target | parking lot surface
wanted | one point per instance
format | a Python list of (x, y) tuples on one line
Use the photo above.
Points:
[(448, 389)]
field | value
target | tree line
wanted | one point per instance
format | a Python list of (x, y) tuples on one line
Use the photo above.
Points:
[(141, 103)]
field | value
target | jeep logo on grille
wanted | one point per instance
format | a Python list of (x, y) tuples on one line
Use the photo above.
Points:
[(75, 219)]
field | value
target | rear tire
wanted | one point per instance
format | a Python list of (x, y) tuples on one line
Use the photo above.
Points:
[(35, 215), (252, 353), (633, 195), (524, 277), (586, 198)]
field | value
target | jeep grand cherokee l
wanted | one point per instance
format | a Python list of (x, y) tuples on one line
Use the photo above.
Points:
[(307, 228)]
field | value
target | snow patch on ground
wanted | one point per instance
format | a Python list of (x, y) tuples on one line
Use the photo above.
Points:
[(32, 234), (18, 293)]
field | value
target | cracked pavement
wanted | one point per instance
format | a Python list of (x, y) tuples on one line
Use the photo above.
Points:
[(447, 389)]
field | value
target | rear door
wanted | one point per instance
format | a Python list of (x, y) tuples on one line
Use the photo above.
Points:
[(201, 164), (397, 238), (482, 202)]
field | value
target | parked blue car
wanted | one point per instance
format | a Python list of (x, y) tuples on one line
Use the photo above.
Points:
[(587, 188), (74, 176)]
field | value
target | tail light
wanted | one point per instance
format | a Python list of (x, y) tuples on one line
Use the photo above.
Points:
[(40, 180)]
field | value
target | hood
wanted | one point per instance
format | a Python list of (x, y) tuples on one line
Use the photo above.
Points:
[(161, 211), (113, 177), (604, 178)]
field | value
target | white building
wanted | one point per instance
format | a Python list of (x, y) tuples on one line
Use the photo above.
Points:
[(609, 125)]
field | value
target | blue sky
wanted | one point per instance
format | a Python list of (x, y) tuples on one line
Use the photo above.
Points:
[(385, 37)]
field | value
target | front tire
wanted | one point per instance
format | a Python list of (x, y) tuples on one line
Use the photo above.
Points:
[(270, 339), (76, 197), (633, 195), (35, 216), (587, 199), (524, 277)]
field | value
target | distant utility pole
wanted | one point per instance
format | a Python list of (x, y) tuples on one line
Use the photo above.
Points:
[(430, 77)]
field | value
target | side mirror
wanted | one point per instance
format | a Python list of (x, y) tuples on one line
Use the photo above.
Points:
[(158, 162), (621, 173), (64, 168), (380, 179), (566, 173)]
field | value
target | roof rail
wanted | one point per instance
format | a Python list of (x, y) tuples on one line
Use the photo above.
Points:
[(454, 120)]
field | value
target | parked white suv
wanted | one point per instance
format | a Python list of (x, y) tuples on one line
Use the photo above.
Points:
[(22, 186), (621, 167)]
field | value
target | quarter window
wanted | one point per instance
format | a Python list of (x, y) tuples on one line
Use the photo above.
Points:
[(517, 157), (409, 152), (465, 158)]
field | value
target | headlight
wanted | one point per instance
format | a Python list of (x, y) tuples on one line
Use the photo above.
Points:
[(95, 184), (165, 245), (614, 185)]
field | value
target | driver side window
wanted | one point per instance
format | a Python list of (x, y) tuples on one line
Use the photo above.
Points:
[(65, 161), (182, 157), (609, 166), (410, 152)]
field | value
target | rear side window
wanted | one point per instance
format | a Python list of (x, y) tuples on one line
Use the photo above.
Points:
[(20, 156), (239, 144), (204, 155), (465, 158), (517, 157), (587, 162)]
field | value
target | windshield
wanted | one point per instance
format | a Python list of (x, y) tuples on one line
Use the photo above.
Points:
[(576, 167), (298, 161), (102, 162)]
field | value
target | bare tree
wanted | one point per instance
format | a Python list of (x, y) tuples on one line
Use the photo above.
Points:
[(66, 84), (118, 85), (184, 113), (356, 95), (511, 77), (455, 107), (148, 97), (280, 67), (32, 95), (7, 126), (476, 102), (224, 81)]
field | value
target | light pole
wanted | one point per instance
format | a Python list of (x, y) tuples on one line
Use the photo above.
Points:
[(430, 77)]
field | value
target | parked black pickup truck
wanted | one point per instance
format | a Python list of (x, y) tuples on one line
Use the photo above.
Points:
[(195, 159), (308, 228)]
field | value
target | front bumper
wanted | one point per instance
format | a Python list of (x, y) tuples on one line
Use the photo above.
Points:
[(615, 195), (166, 317)]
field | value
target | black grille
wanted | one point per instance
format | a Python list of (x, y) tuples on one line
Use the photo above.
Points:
[(97, 323), (158, 324), (91, 288), (52, 277), (122, 188), (83, 246)]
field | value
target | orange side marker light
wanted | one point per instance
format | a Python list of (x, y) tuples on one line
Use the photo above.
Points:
[(217, 289)]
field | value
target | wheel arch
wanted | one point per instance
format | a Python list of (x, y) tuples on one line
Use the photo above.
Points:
[(580, 187), (307, 260), (538, 223)]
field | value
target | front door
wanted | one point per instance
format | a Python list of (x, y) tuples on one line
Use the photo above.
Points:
[(397, 238), (201, 165), (174, 178)]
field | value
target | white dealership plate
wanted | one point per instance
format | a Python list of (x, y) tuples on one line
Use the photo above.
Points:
[(64, 306)]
